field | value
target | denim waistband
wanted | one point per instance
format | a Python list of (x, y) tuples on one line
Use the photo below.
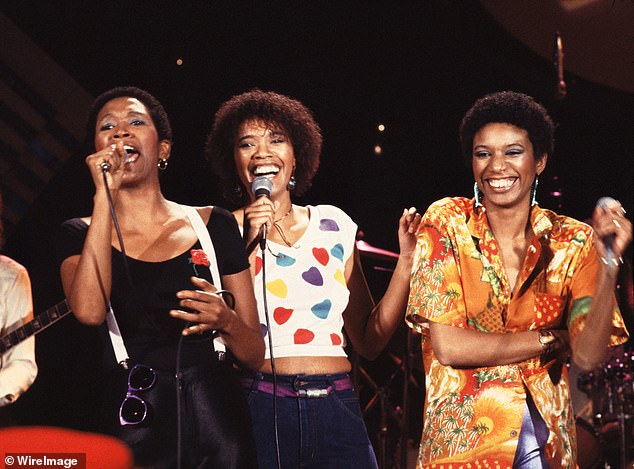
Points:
[(307, 386)]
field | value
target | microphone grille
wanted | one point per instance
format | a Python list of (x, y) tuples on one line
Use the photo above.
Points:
[(261, 186), (606, 202)]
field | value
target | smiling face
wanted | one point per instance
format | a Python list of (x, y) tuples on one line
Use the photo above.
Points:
[(504, 165), (127, 120), (263, 149)]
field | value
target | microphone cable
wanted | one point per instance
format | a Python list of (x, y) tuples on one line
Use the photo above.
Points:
[(270, 340), (105, 167)]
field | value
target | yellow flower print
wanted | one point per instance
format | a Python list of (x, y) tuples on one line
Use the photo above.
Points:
[(492, 419)]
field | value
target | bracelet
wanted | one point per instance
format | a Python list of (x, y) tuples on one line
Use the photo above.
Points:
[(549, 341), (612, 261)]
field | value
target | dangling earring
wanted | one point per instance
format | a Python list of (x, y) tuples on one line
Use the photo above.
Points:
[(162, 164), (476, 194), (237, 190), (534, 192), (292, 182)]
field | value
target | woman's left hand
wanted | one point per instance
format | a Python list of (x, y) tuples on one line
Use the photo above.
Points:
[(407, 228), (611, 221), (212, 311)]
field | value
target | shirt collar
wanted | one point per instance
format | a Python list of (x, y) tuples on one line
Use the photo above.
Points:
[(478, 224)]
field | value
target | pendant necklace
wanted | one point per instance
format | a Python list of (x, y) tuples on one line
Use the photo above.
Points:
[(280, 230)]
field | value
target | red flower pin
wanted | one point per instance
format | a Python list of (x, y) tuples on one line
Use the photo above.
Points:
[(198, 258)]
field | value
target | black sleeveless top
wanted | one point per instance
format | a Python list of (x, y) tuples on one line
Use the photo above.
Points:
[(142, 303)]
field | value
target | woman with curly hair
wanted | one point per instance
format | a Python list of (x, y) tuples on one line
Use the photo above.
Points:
[(309, 286), (499, 288)]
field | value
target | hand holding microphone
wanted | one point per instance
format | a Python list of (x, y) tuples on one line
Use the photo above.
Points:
[(262, 187), (108, 159), (613, 229)]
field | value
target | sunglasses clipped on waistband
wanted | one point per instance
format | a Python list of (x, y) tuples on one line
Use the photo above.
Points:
[(134, 410)]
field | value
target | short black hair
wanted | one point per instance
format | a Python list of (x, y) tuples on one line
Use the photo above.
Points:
[(269, 107), (513, 108), (154, 107)]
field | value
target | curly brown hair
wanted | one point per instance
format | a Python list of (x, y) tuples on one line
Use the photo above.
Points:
[(271, 108)]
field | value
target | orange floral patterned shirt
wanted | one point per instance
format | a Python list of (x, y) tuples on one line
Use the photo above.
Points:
[(473, 416)]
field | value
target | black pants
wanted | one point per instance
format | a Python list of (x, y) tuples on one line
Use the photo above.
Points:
[(215, 422)]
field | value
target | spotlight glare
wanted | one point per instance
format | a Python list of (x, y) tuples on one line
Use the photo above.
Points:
[(179, 61), (378, 150), (381, 127)]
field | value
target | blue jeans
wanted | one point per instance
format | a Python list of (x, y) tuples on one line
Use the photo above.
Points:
[(326, 432), (532, 440)]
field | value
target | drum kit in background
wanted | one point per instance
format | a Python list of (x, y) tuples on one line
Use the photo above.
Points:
[(604, 406)]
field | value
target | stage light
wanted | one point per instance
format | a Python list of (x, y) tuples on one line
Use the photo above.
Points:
[(179, 61), (378, 151), (381, 127)]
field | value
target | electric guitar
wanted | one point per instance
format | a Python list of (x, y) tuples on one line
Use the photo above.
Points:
[(34, 326)]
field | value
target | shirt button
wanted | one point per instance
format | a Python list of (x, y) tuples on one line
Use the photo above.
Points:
[(513, 433)]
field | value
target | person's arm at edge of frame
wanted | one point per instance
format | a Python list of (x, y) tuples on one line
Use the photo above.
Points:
[(19, 369)]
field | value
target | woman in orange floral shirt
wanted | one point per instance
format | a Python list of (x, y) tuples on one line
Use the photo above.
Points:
[(500, 289)]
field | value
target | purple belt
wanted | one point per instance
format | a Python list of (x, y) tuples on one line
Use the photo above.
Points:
[(297, 388)]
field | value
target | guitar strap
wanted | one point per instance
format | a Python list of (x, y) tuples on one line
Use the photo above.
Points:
[(205, 241)]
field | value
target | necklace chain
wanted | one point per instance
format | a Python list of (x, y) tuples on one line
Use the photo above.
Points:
[(284, 216), (280, 230)]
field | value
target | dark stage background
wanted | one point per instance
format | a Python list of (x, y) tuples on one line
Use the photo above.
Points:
[(413, 66)]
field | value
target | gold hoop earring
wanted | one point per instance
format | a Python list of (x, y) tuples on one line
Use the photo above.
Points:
[(162, 164)]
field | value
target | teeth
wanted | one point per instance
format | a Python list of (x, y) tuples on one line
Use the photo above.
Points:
[(501, 183), (129, 151), (265, 169)]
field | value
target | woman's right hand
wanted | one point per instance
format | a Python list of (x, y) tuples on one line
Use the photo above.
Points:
[(114, 156), (260, 212)]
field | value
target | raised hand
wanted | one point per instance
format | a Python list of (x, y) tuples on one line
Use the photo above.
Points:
[(613, 230), (260, 212), (112, 157), (407, 228)]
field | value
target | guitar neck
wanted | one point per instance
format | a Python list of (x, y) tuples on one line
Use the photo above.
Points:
[(34, 326)]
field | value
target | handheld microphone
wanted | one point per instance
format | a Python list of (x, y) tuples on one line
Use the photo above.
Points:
[(262, 187), (105, 166), (608, 240)]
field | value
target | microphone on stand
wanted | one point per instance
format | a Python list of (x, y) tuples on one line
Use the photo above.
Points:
[(262, 187), (558, 62)]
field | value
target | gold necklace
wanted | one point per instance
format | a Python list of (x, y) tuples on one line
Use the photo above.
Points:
[(280, 230)]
